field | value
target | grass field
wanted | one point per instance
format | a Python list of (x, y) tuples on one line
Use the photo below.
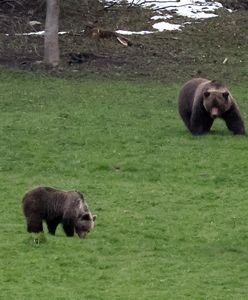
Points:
[(172, 208)]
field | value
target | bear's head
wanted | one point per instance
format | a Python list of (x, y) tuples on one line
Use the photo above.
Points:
[(216, 100), (84, 223)]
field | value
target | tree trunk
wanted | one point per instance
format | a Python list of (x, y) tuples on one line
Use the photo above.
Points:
[(51, 43)]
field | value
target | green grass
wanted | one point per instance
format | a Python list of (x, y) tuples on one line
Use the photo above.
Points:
[(172, 208)]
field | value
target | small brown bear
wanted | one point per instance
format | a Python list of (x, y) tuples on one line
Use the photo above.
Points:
[(202, 100), (55, 207)]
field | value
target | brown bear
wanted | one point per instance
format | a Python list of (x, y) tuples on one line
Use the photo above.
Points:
[(55, 207), (202, 100)]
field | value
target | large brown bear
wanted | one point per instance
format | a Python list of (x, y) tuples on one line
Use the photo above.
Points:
[(202, 100), (56, 206)]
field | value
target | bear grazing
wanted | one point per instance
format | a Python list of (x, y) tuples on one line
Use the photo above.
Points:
[(202, 100), (56, 206)]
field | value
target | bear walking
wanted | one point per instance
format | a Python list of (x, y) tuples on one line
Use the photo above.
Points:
[(54, 207), (202, 100)]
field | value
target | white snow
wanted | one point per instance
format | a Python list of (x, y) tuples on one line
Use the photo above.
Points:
[(126, 32), (37, 33), (161, 26), (162, 17), (187, 8), (193, 9)]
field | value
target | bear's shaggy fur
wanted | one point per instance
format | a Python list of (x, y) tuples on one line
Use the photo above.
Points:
[(202, 100), (55, 207)]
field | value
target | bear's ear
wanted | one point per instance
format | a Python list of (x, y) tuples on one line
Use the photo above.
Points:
[(225, 95), (94, 218), (85, 217), (206, 94), (81, 195)]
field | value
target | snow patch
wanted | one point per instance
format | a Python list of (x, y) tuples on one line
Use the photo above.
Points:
[(38, 33), (188, 8), (162, 17), (193, 9), (126, 32), (161, 26)]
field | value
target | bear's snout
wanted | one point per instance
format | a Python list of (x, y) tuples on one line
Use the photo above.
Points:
[(82, 235), (215, 112)]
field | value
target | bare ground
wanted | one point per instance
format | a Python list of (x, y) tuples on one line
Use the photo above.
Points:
[(214, 48)]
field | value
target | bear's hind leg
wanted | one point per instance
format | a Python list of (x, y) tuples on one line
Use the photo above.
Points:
[(34, 224), (186, 115)]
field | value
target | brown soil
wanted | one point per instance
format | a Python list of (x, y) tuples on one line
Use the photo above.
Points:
[(199, 50)]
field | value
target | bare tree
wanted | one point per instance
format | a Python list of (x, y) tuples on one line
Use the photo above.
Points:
[(51, 43)]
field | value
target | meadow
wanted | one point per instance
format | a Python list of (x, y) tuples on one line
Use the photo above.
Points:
[(171, 208)]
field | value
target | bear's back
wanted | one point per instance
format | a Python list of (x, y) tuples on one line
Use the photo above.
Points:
[(44, 200)]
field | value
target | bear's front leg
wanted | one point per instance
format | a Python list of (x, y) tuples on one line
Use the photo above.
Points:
[(52, 225), (68, 226), (197, 130), (200, 122), (200, 126), (34, 224), (234, 121)]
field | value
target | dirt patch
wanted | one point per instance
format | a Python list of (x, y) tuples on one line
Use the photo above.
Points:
[(215, 48)]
